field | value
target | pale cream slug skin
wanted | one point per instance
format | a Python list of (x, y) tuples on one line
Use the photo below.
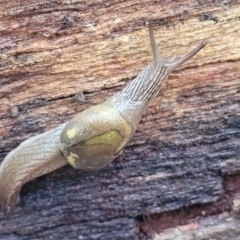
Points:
[(93, 138)]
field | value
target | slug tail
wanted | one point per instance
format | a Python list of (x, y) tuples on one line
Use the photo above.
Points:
[(34, 157), (8, 203)]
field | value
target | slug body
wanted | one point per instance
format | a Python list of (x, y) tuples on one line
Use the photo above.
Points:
[(93, 138)]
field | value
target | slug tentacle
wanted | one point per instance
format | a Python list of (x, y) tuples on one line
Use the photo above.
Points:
[(34, 157), (157, 58), (175, 62)]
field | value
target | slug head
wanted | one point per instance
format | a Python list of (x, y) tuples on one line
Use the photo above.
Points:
[(146, 86)]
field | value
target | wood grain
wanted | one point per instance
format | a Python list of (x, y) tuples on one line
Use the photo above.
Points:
[(188, 139)]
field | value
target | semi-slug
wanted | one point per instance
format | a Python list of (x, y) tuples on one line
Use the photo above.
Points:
[(93, 138)]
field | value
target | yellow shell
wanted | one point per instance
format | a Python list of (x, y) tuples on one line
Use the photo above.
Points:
[(93, 138)]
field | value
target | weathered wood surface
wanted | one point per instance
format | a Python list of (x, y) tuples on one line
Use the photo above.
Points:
[(211, 227), (222, 226), (187, 142)]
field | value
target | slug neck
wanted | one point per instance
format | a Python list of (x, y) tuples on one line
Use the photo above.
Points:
[(146, 85)]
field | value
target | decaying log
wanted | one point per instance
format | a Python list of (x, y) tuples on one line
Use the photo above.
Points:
[(188, 140), (222, 226)]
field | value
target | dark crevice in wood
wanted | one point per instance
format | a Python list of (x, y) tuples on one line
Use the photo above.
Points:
[(150, 224)]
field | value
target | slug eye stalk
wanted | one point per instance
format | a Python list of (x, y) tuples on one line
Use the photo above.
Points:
[(175, 61)]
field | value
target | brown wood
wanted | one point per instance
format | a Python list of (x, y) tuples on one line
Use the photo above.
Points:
[(222, 226), (187, 142)]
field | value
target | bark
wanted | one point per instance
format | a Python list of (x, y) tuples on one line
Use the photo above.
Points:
[(188, 140)]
